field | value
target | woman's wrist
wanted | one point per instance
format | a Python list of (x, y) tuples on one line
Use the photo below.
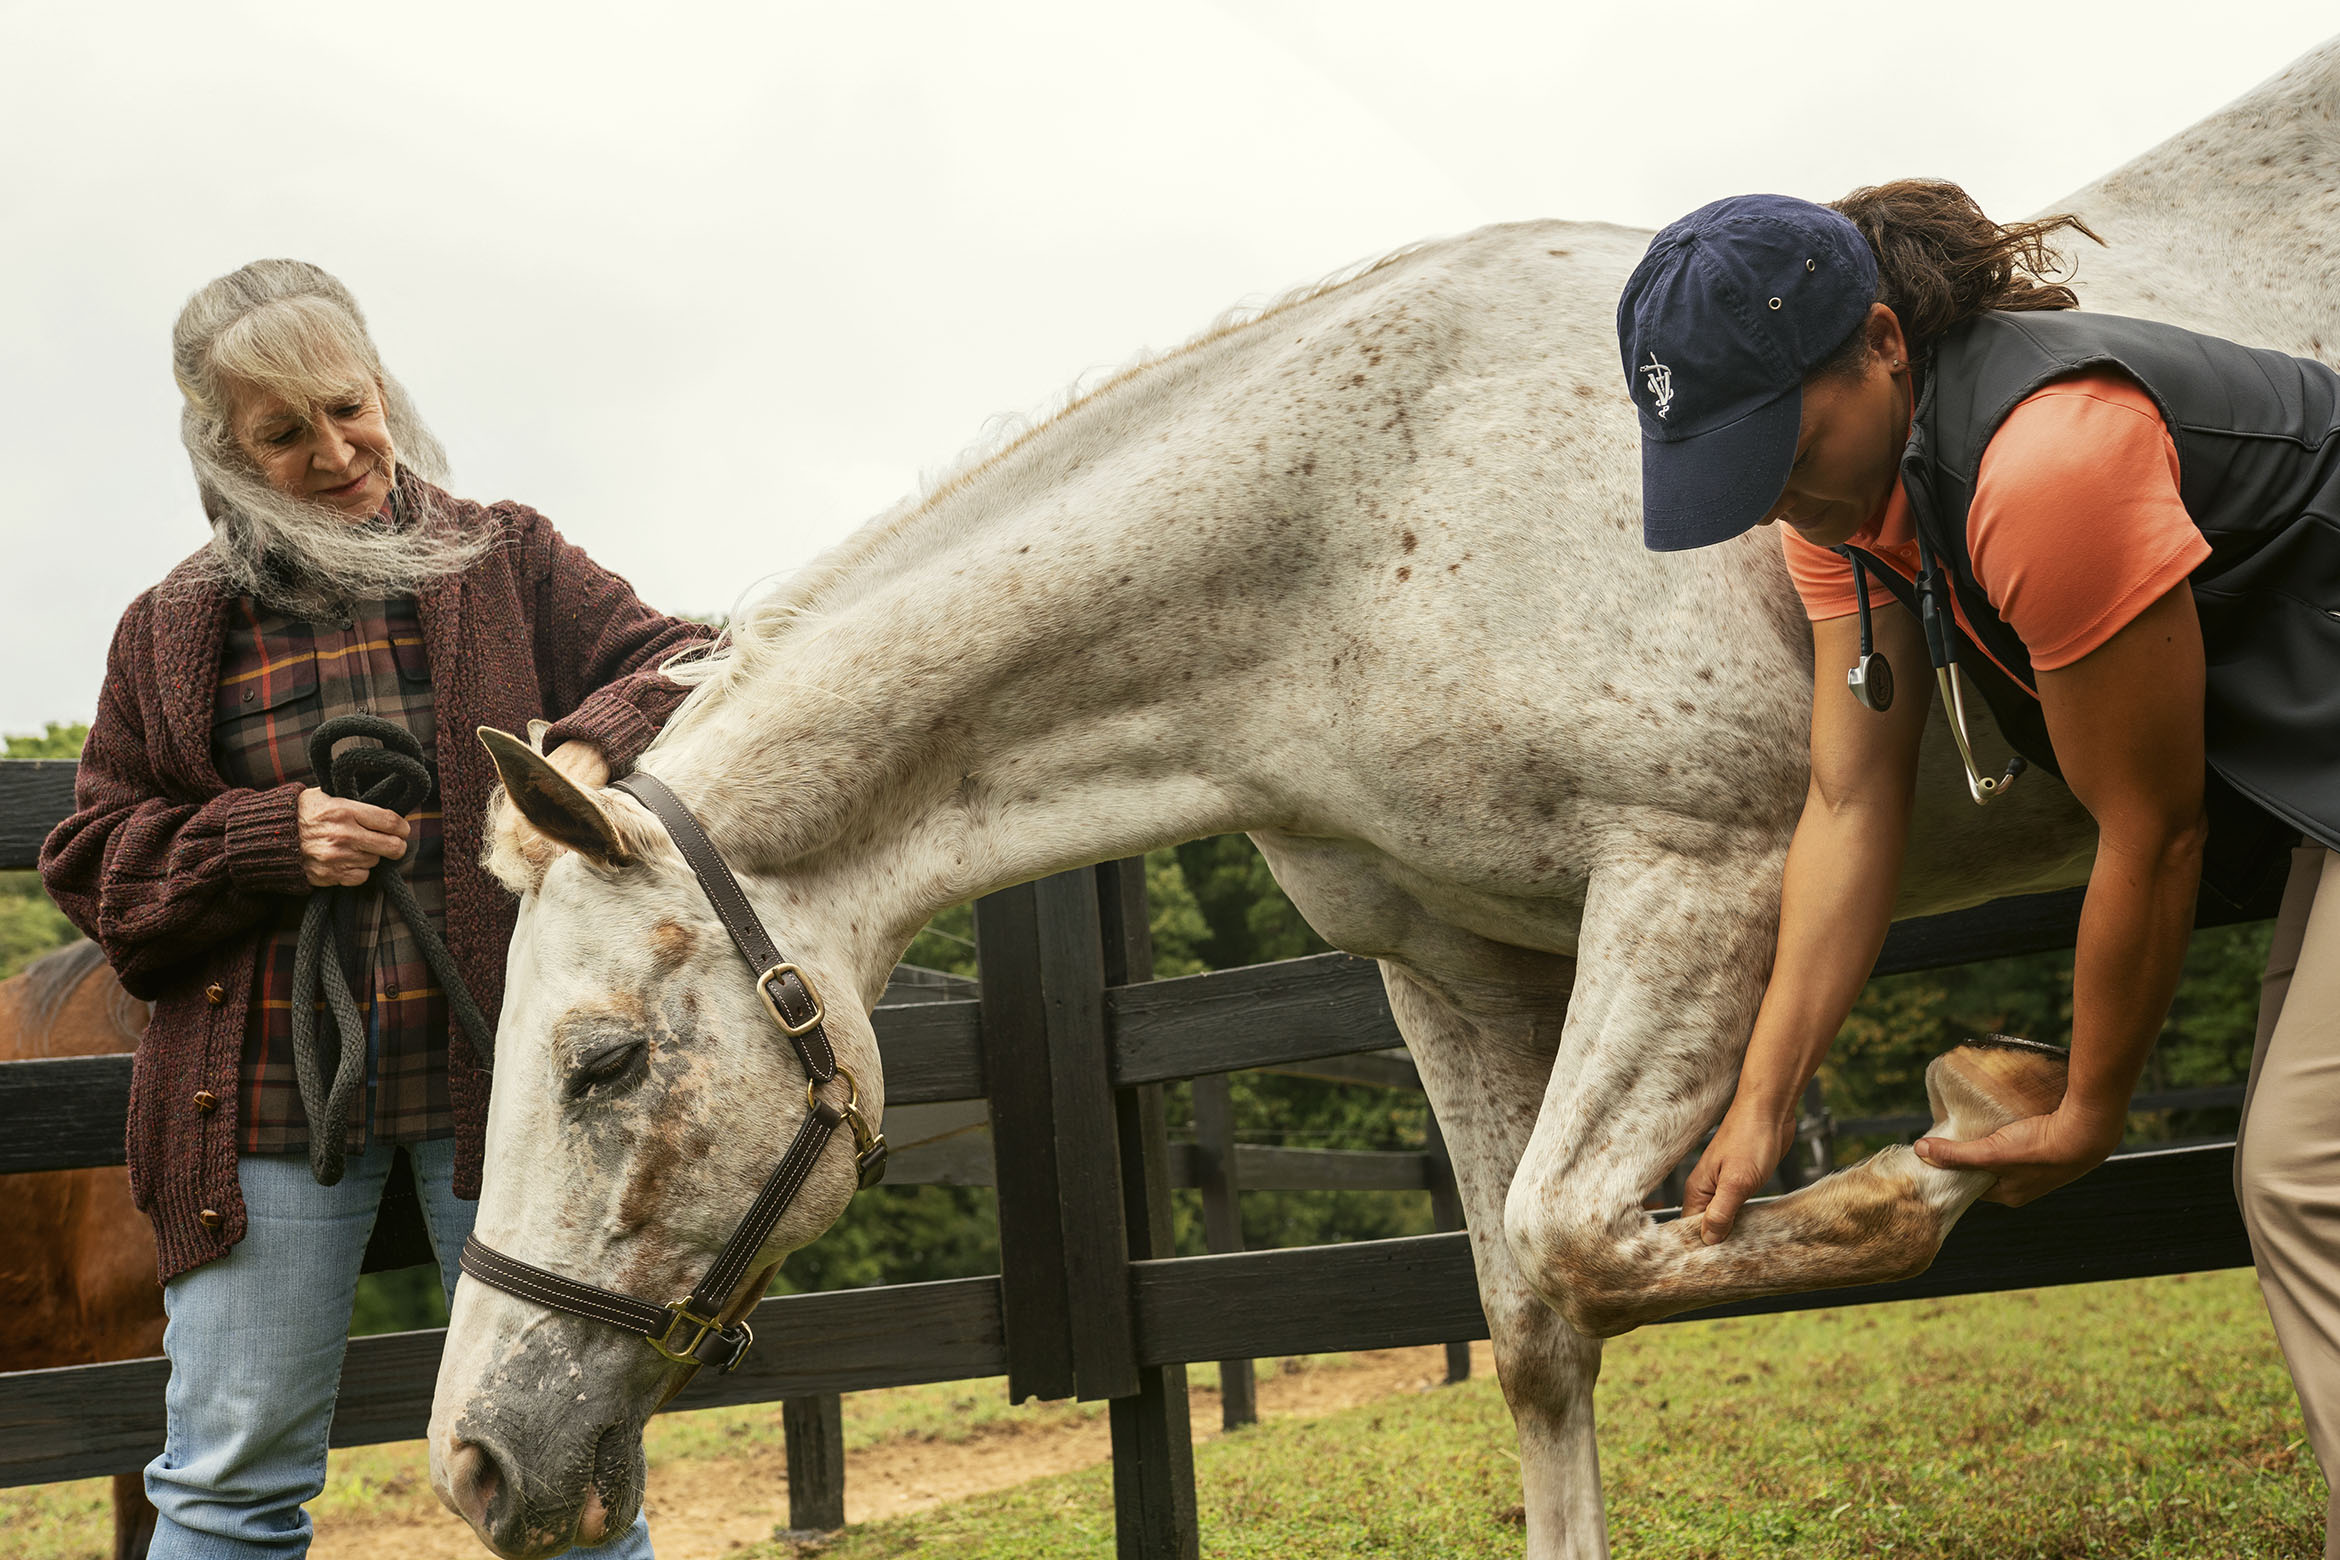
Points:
[(1781, 1059), (2094, 1121), (1771, 1100)]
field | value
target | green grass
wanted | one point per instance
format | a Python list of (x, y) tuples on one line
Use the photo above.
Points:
[(2143, 1421), (58, 1521)]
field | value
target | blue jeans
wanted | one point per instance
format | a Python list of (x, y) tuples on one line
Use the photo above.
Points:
[(255, 1342)]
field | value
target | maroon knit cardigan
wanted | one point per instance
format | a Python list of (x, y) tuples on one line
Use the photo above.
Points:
[(173, 871)]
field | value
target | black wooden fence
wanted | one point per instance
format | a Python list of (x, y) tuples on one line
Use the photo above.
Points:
[(1068, 1042)]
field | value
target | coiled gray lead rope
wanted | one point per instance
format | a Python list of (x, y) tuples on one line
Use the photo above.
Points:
[(392, 776)]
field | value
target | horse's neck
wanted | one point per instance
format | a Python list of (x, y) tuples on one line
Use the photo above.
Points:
[(1069, 657)]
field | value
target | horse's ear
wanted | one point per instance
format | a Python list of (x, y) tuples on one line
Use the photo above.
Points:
[(553, 802)]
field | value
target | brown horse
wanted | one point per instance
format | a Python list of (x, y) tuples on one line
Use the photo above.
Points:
[(77, 1281)]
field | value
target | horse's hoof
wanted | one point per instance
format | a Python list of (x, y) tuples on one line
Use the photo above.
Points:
[(1984, 1084)]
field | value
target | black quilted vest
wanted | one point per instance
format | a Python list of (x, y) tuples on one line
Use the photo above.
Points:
[(2258, 444)]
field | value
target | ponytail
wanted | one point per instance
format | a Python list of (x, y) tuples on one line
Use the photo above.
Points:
[(1941, 262)]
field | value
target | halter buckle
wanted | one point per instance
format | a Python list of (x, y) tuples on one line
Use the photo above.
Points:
[(687, 1354), (869, 1144), (869, 1149), (789, 1026)]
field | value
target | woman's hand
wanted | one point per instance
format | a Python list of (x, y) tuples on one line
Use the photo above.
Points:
[(2034, 1156), (1747, 1148), (582, 762), (341, 839)]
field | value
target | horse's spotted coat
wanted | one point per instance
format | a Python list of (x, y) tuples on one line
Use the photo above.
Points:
[(1363, 579)]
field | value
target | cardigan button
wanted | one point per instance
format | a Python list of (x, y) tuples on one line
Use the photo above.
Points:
[(215, 994), (205, 1102), (209, 1218)]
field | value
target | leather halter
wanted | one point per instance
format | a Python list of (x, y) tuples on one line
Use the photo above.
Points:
[(691, 1331)]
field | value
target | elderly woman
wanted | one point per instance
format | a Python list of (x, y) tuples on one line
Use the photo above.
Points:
[(339, 580)]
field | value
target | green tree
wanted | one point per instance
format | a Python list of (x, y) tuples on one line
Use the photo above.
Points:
[(60, 739), (900, 1235), (29, 925), (1250, 920), (947, 942), (401, 1300)]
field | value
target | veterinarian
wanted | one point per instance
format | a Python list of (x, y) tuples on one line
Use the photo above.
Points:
[(2128, 537), (339, 580)]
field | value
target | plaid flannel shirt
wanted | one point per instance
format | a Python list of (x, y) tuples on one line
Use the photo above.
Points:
[(281, 678)]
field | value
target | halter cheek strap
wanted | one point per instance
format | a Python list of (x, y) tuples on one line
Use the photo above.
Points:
[(690, 1331)]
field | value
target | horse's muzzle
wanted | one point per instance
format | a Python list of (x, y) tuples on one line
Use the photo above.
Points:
[(522, 1515)]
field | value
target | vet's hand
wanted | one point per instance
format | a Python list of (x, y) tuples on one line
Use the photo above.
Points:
[(341, 839), (1747, 1148), (2034, 1156)]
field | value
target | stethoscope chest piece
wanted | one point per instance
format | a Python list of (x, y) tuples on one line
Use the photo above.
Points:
[(1871, 681)]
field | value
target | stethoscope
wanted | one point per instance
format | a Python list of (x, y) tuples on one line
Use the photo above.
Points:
[(1871, 678)]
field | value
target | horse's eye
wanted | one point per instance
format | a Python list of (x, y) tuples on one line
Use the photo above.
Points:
[(609, 1070)]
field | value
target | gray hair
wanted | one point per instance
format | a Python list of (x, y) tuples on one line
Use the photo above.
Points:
[(291, 328)]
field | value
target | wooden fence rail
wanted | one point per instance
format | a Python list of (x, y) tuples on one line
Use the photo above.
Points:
[(1067, 1045)]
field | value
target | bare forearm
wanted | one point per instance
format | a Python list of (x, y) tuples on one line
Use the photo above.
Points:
[(2132, 943), (1836, 901), (2126, 719)]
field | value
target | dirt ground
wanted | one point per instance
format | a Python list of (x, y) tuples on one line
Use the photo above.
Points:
[(702, 1509)]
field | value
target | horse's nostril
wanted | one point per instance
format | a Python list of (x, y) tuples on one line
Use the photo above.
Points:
[(613, 1466), (475, 1481), (593, 1522)]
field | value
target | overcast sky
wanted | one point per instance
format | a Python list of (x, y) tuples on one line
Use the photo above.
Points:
[(710, 285)]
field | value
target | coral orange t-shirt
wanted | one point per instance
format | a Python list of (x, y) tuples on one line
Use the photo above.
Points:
[(2076, 525)]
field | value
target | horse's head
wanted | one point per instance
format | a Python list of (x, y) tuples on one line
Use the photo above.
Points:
[(642, 1094)]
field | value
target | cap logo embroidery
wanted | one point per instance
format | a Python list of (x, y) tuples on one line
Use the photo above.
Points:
[(1660, 379)]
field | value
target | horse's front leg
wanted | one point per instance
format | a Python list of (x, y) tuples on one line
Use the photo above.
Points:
[(1484, 1050), (1671, 963)]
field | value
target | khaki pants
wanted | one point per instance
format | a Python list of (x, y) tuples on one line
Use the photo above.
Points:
[(2287, 1159)]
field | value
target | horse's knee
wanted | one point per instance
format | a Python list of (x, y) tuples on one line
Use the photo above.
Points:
[(1578, 1267)]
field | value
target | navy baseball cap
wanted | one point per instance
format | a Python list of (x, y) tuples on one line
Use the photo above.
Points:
[(1720, 322)]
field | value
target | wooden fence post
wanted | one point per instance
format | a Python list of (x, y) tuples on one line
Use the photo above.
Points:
[(814, 1428), (1064, 1272), (1446, 1215), (1214, 1135), (1035, 1307), (1153, 1443)]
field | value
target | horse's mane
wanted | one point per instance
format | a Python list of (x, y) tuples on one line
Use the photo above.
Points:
[(758, 624), (47, 983)]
